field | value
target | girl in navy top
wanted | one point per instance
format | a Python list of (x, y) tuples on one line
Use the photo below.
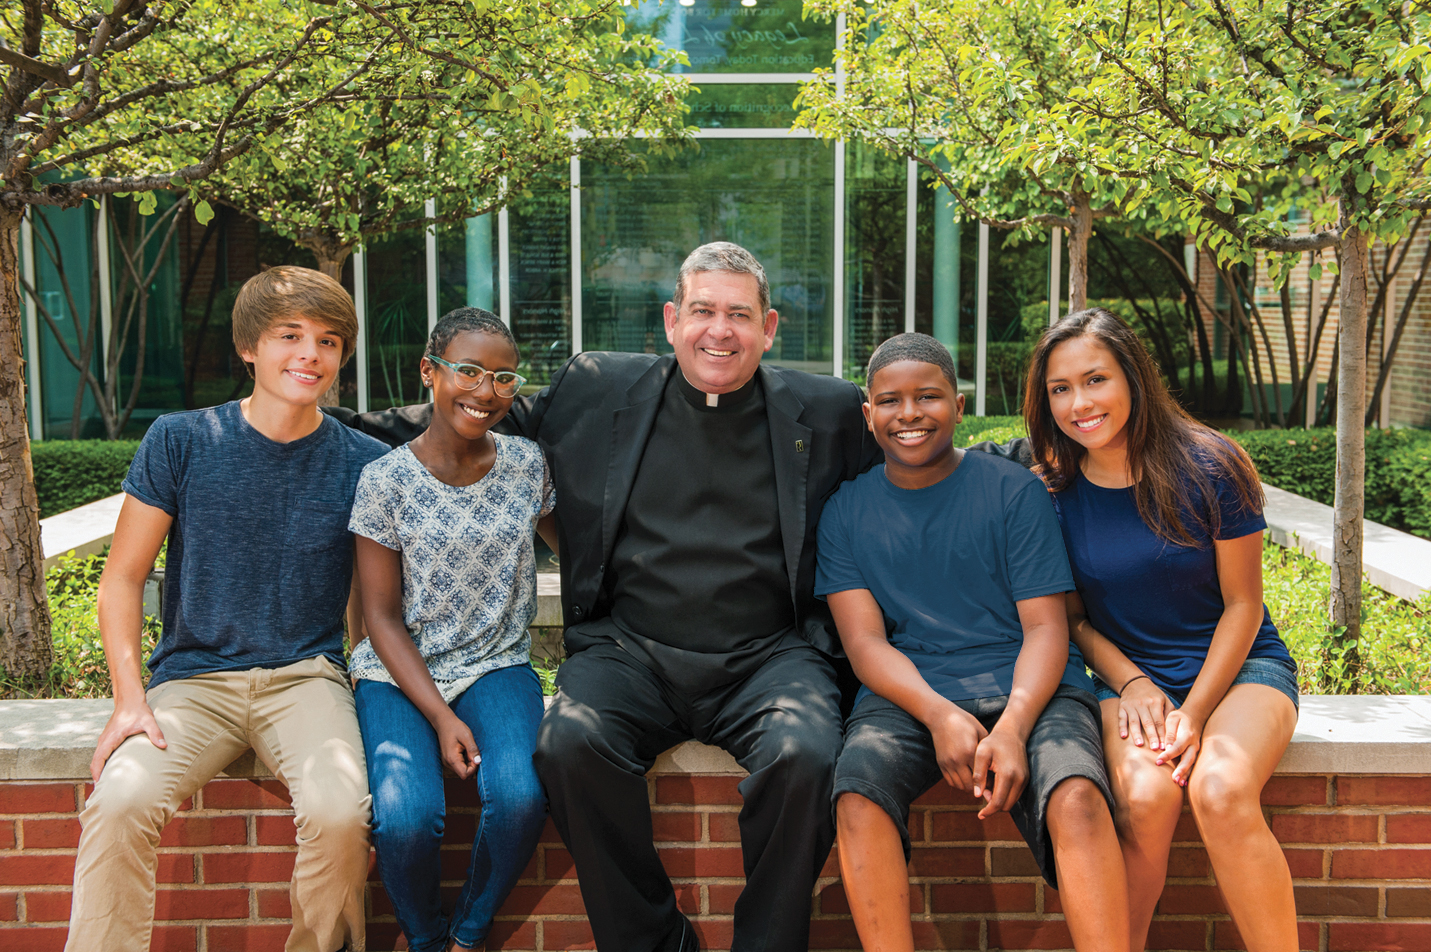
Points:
[(1162, 518)]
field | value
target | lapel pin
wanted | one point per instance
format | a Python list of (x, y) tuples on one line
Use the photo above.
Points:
[(799, 446)]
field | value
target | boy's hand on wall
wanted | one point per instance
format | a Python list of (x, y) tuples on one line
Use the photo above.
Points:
[(126, 721), (956, 737), (1002, 753)]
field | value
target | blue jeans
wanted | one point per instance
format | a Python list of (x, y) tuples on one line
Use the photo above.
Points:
[(503, 710)]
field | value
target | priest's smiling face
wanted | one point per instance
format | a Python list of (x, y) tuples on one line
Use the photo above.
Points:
[(719, 332)]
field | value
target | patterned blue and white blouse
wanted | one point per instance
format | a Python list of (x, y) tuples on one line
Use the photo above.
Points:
[(469, 583)]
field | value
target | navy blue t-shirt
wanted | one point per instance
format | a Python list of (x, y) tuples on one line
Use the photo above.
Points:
[(947, 563), (260, 558), (1157, 601)]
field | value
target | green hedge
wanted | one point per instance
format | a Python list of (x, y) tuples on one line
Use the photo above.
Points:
[(1398, 470), (70, 473)]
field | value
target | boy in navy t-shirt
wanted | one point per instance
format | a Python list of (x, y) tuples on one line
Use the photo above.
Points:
[(946, 575), (253, 497)]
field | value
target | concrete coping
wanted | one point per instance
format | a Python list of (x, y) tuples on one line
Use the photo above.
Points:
[(1394, 561), (82, 531), (54, 740)]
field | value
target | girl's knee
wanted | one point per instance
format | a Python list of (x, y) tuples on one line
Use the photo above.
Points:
[(1221, 795)]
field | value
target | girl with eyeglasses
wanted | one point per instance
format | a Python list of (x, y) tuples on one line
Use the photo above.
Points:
[(448, 576)]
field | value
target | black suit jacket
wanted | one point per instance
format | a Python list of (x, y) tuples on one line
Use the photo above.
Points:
[(593, 422)]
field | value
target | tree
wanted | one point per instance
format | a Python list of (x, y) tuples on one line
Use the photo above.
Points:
[(1278, 129), (474, 108), (964, 89), (127, 97)]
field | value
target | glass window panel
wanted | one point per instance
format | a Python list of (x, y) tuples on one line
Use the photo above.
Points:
[(539, 228), (726, 36), (467, 264), (155, 289), (743, 106), (66, 268), (774, 197), (875, 199), (397, 318)]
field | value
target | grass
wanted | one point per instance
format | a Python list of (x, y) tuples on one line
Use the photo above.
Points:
[(1295, 588)]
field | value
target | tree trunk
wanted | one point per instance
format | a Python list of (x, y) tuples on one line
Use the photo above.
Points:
[(330, 261), (25, 651), (1351, 439), (1078, 237)]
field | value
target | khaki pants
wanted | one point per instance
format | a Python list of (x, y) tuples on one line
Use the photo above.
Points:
[(301, 723)]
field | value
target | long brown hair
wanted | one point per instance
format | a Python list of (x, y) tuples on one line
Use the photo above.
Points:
[(1171, 456)]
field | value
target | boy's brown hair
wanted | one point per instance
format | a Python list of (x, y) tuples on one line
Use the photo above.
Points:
[(286, 291)]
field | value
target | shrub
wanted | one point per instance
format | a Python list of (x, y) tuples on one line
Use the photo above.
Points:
[(70, 473), (1398, 470)]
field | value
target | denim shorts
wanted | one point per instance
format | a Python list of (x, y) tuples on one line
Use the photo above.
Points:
[(1276, 673), (889, 760)]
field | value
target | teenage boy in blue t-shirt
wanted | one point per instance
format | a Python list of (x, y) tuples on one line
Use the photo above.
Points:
[(945, 573), (253, 497)]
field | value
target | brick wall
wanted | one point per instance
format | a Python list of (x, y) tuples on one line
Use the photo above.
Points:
[(1359, 848)]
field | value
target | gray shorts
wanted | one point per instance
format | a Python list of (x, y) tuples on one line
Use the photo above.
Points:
[(889, 759)]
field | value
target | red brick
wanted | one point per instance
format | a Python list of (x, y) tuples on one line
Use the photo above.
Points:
[(1408, 903), (713, 933), (559, 864), (982, 897), (208, 831), (7, 834), (567, 934), (17, 869), (1295, 792), (57, 834), (680, 827), (832, 864), (684, 862), (555, 900), (1178, 936), (1304, 864), (167, 938), (725, 827), (1226, 936), (201, 904), (9, 907), (1186, 831), (248, 867), (706, 791), (1052, 905), (1325, 827), (1336, 901), (1408, 828), (1012, 861), (38, 798), (385, 936), (274, 904), (722, 896), (954, 826), (1029, 934), (1189, 900), (47, 906), (175, 868), (1381, 864), (833, 934), (688, 898), (834, 901), (461, 794), (1188, 863), (247, 938), (531, 870), (947, 934), (276, 831), (942, 794), (549, 833), (513, 935), (946, 861), (915, 823), (1389, 936), (1409, 791), (38, 939), (460, 828), (246, 795)]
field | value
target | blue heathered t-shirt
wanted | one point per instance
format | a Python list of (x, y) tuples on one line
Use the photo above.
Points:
[(1158, 602), (260, 558), (947, 563)]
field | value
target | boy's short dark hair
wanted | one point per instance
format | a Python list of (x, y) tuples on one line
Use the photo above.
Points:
[(920, 347), (287, 291)]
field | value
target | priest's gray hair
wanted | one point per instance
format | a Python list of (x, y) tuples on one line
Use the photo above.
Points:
[(723, 256)]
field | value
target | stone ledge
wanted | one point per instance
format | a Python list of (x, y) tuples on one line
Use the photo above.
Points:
[(54, 740)]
